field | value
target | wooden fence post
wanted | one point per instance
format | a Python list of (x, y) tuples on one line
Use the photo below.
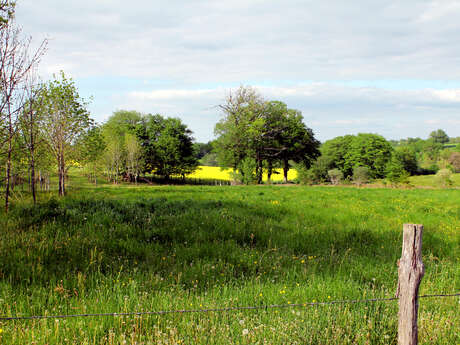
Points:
[(410, 273)]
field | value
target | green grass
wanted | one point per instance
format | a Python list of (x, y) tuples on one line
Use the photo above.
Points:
[(430, 181), (140, 248)]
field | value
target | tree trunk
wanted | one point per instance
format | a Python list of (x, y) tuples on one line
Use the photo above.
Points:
[(285, 170), (32, 172), (269, 172), (61, 173), (259, 170), (8, 178)]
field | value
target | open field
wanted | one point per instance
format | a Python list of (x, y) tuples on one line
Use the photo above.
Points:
[(138, 248)]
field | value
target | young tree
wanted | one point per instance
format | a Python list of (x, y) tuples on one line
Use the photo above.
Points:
[(91, 146), (335, 175), (133, 157), (29, 127), (63, 121), (17, 64)]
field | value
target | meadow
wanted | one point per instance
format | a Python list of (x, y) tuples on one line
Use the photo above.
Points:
[(127, 248)]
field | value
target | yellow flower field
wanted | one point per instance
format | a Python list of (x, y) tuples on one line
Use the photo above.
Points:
[(205, 172)]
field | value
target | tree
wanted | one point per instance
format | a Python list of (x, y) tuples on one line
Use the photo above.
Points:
[(407, 159), (133, 156), (371, 151), (365, 150), (16, 69), (395, 171), (29, 127), (236, 130), (265, 131), (333, 154), (64, 120), (361, 175), (91, 146), (439, 136), (335, 175), (298, 142), (167, 146), (7, 10)]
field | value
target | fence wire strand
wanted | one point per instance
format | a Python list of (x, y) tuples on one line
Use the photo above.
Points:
[(223, 309)]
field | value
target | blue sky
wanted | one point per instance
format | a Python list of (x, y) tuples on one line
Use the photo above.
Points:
[(389, 67)]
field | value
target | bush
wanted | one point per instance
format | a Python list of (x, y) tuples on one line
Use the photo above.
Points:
[(246, 173), (360, 175), (443, 177), (395, 172), (454, 161), (335, 175)]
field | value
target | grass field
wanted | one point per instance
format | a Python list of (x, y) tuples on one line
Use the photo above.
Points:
[(137, 248)]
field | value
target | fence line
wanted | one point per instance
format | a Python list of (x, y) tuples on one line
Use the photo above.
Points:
[(222, 309)]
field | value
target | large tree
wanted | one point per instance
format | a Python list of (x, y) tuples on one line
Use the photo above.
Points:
[(64, 119), (237, 130), (266, 132), (167, 146), (348, 152), (439, 136)]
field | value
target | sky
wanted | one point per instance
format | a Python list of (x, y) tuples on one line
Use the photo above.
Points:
[(374, 66)]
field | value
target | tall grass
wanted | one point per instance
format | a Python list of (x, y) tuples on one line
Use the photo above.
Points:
[(127, 248)]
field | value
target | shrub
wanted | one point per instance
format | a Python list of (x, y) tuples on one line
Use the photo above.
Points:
[(360, 175), (246, 173), (335, 175), (454, 161), (443, 177)]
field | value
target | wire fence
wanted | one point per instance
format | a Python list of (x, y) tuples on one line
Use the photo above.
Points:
[(221, 309)]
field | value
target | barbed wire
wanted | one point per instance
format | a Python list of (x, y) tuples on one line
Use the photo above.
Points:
[(222, 309)]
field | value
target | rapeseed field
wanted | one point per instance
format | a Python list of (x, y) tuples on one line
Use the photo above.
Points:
[(206, 172)]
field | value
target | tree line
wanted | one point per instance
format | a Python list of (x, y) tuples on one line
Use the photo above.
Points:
[(256, 136), (46, 128)]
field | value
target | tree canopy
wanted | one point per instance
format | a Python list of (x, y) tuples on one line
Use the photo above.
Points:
[(267, 133)]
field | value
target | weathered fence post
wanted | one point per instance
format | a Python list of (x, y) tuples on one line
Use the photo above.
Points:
[(410, 273)]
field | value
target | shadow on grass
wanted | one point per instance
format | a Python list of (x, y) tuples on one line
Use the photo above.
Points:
[(221, 239)]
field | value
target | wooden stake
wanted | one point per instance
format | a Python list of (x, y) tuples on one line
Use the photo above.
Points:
[(410, 273)]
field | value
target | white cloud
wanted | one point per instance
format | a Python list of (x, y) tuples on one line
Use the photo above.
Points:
[(186, 48)]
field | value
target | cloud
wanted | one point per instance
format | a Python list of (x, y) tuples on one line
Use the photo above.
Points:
[(329, 109), (180, 57), (205, 41)]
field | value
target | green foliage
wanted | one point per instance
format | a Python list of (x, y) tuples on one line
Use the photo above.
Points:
[(210, 159), (265, 131), (361, 175), (167, 146), (406, 157), (64, 120), (203, 149), (335, 176), (367, 150), (439, 136), (395, 171), (246, 172), (443, 177)]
